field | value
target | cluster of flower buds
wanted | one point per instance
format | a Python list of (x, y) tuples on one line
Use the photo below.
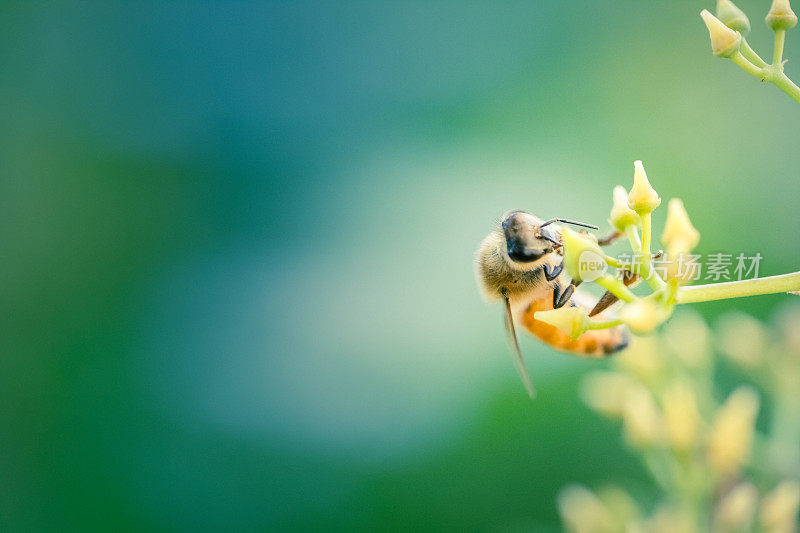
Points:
[(728, 30), (584, 261), (714, 467)]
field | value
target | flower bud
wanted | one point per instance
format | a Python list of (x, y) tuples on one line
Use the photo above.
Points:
[(724, 41), (736, 509), (671, 518), (579, 250), (582, 510), (571, 320), (642, 316), (743, 339), (642, 198), (644, 360), (731, 434), (681, 415), (789, 326), (779, 507), (678, 230), (679, 237), (732, 16), (781, 16), (622, 506), (643, 424), (622, 216), (605, 392), (688, 338)]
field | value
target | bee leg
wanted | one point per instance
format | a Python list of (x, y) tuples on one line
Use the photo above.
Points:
[(551, 275), (561, 297)]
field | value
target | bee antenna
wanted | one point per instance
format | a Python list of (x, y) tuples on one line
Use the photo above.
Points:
[(565, 221), (551, 240)]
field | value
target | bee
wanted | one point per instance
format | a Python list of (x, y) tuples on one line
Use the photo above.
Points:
[(520, 264)]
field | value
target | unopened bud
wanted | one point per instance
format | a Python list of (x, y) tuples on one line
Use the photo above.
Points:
[(731, 434), (678, 231), (732, 16), (743, 339), (571, 320), (641, 418), (781, 16), (642, 316), (642, 198), (679, 237), (779, 507), (622, 215), (724, 41), (582, 510), (736, 509), (580, 249), (605, 392), (681, 415)]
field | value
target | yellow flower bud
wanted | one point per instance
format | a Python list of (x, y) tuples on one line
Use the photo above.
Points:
[(621, 505), (779, 508), (678, 231), (581, 510), (644, 360), (642, 198), (688, 338), (642, 316), (574, 321), (622, 216), (731, 434), (789, 323), (679, 237), (640, 416), (583, 257), (605, 392), (742, 339), (681, 415), (724, 41), (671, 518), (736, 509), (781, 16), (732, 16)]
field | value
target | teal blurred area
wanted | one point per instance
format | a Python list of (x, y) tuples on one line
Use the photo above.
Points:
[(237, 286)]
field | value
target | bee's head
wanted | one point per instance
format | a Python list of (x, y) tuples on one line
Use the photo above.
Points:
[(526, 240)]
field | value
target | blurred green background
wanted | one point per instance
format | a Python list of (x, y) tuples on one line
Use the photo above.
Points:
[(237, 286)]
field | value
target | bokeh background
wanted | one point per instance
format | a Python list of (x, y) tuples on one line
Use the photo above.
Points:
[(236, 283)]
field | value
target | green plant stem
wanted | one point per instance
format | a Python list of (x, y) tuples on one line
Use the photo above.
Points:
[(647, 230), (643, 255), (771, 73), (747, 66), (633, 237), (616, 287), (751, 54), (788, 86), (780, 37), (604, 324), (739, 289)]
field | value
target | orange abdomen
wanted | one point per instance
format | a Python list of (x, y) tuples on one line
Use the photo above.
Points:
[(593, 343)]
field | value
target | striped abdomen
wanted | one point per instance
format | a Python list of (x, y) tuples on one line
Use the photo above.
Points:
[(593, 343)]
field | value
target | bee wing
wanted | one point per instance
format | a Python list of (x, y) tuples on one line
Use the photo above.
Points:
[(518, 361)]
